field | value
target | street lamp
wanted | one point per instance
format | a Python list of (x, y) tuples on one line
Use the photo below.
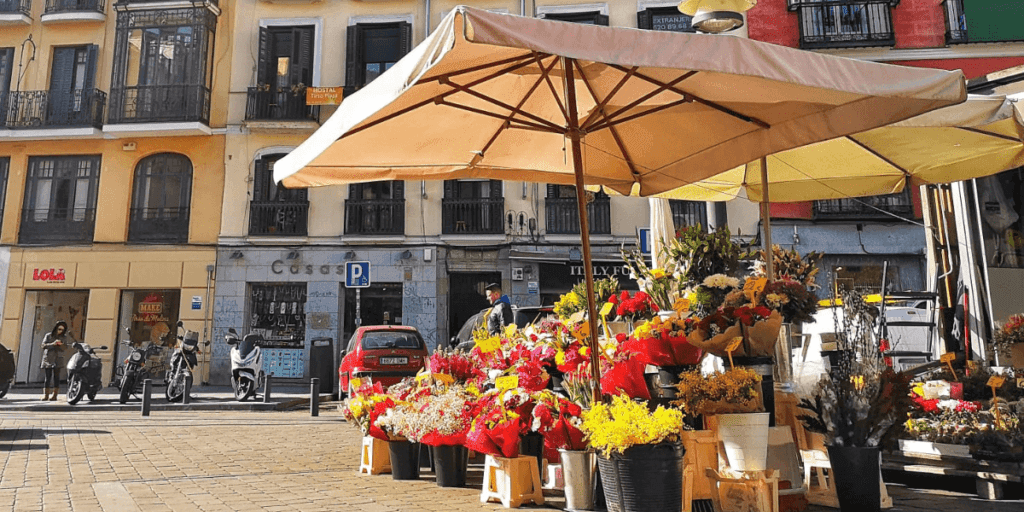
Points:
[(716, 16)]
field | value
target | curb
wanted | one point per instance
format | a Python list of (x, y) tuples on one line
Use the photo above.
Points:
[(195, 405)]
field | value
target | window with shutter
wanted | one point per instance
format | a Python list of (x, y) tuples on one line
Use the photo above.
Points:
[(472, 207), (6, 66), (562, 211), (161, 199), (274, 209), (585, 18), (284, 69), (5, 166), (60, 199), (372, 48), (375, 208)]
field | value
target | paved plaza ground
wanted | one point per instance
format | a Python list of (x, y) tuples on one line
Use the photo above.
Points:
[(86, 458)]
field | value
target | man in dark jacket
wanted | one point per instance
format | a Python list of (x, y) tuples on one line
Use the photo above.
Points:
[(500, 314)]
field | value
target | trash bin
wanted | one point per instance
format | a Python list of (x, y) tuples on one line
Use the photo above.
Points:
[(321, 363)]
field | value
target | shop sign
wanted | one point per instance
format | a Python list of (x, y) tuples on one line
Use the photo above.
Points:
[(197, 302), (324, 95), (49, 275), (533, 287), (151, 310), (279, 267)]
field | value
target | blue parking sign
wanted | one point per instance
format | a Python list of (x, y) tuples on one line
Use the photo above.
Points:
[(357, 274)]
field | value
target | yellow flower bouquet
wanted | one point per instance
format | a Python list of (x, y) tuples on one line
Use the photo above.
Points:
[(736, 390), (623, 424)]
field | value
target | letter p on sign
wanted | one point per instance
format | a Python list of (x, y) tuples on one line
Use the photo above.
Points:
[(357, 274)]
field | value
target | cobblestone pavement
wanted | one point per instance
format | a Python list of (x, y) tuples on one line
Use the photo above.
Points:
[(217, 461)]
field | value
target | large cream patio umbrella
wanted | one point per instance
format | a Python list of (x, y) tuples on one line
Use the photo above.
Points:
[(497, 96)]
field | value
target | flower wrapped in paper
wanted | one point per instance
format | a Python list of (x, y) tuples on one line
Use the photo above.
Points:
[(664, 342)]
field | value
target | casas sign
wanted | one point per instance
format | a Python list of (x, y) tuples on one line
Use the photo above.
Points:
[(48, 275)]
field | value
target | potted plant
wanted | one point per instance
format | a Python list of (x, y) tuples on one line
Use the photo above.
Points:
[(639, 454), (730, 403), (861, 404), (1010, 339)]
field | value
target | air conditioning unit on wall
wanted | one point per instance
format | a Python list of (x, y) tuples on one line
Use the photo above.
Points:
[(517, 274)]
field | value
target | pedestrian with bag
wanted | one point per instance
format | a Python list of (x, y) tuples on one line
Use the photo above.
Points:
[(54, 343), (500, 314)]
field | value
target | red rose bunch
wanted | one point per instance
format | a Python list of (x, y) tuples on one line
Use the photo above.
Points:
[(640, 304), (456, 364)]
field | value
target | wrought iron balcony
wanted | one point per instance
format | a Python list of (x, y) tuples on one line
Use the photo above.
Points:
[(62, 6), (276, 218), (23, 7), (375, 216), (43, 109), (159, 104), (562, 216), (159, 225), (57, 225), (872, 207), (263, 104), (689, 213), (474, 216), (844, 23), (122, 3)]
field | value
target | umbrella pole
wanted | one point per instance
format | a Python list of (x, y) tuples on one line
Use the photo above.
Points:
[(766, 219), (581, 205)]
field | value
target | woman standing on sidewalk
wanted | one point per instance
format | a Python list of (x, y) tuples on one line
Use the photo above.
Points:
[(53, 345)]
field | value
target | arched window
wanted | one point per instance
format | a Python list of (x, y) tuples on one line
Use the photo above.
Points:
[(161, 199)]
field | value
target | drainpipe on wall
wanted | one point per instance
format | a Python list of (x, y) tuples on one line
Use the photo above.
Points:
[(427, 17), (205, 379)]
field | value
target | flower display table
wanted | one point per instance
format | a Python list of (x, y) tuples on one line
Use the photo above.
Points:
[(989, 476)]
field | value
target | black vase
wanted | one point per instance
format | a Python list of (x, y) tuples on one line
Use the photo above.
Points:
[(450, 463), (532, 444), (405, 460), (857, 477), (644, 478)]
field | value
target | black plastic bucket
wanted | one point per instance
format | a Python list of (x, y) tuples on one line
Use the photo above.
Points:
[(450, 464), (645, 478), (857, 477), (405, 460), (765, 367), (532, 444)]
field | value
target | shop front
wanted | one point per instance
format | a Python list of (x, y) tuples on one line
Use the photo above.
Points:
[(298, 301), (105, 295)]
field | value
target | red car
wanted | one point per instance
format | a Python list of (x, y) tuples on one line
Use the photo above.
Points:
[(384, 353)]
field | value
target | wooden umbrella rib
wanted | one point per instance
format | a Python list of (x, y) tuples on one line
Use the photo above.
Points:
[(990, 134), (661, 88), (509, 119), (551, 86), (906, 173), (702, 101), (506, 106), (525, 59), (611, 94), (503, 118), (615, 135), (432, 99), (609, 124)]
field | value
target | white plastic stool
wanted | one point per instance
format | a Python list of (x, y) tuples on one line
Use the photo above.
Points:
[(512, 481)]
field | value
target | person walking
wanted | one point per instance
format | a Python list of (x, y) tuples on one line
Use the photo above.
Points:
[(53, 345), (500, 314)]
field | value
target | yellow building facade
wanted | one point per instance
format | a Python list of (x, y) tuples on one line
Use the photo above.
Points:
[(112, 150)]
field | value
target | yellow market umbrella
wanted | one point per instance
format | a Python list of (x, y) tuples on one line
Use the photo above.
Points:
[(498, 96)]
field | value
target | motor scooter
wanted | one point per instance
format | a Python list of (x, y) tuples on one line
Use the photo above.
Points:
[(135, 372), (246, 364), (183, 361), (84, 371)]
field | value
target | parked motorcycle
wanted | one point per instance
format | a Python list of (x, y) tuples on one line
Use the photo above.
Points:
[(6, 370), (246, 364), (183, 361), (84, 371), (134, 371)]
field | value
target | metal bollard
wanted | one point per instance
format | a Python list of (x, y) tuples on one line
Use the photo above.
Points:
[(266, 388), (147, 391), (314, 397), (188, 390)]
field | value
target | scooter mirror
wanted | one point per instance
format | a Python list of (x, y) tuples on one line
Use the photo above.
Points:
[(180, 323), (207, 343), (102, 347), (232, 330)]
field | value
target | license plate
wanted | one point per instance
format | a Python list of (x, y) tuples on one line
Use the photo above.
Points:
[(394, 360)]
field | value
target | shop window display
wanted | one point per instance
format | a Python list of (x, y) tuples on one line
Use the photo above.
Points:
[(278, 313), (1001, 204)]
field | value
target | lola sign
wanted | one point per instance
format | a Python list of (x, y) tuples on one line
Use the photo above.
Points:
[(48, 275)]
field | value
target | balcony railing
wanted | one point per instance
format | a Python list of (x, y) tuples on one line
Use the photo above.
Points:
[(872, 207), (43, 109), (57, 225), (562, 216), (374, 216), (956, 23), (278, 218), (62, 6), (161, 225), (262, 104), (689, 213), (840, 23), (23, 7), (475, 216), (214, 3), (159, 104)]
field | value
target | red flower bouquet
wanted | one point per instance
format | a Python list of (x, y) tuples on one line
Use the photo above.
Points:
[(639, 305), (502, 418), (558, 420), (461, 367), (664, 343)]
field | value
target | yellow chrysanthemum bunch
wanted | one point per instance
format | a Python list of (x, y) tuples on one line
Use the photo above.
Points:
[(736, 390), (615, 427)]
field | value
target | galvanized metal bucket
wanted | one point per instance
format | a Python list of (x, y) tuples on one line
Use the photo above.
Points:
[(579, 468)]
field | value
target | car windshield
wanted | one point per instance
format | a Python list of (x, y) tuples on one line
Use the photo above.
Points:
[(383, 339)]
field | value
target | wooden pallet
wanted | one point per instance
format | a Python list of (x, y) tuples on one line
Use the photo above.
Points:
[(989, 476)]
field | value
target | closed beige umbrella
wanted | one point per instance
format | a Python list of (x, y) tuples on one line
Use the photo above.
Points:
[(497, 96)]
